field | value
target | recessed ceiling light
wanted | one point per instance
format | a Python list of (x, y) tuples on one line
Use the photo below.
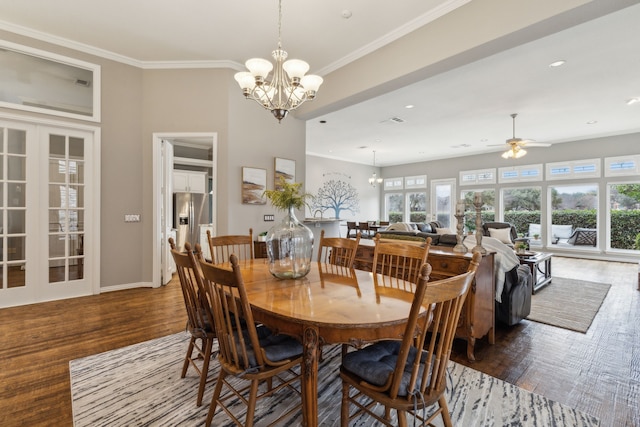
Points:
[(410, 106), (346, 14), (362, 147), (557, 63), (484, 140), (592, 122), (633, 101), (323, 121)]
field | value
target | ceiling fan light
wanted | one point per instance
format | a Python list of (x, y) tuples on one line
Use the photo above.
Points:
[(520, 153)]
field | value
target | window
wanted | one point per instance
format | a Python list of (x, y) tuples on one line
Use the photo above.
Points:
[(520, 173), (417, 207), (574, 216), (521, 207), (419, 181), (488, 212), (573, 170), (482, 176), (55, 85), (393, 184), (394, 207), (622, 166), (624, 216)]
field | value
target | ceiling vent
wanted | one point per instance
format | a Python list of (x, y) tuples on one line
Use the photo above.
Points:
[(81, 82)]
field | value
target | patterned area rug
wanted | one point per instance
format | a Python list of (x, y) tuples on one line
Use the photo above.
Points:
[(141, 385), (568, 303)]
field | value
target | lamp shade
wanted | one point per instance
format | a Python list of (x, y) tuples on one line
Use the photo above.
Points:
[(245, 80), (311, 82), (295, 68), (259, 67)]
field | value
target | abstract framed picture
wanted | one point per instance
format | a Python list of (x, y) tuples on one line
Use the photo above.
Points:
[(254, 182), (285, 168)]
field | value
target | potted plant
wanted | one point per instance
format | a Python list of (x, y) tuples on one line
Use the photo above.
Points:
[(289, 243), (262, 237), (521, 247), (536, 236)]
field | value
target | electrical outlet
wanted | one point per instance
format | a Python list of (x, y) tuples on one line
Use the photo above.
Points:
[(269, 217)]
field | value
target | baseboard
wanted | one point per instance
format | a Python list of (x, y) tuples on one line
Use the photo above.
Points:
[(126, 286)]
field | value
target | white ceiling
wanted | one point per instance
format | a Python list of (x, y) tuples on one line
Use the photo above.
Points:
[(461, 112)]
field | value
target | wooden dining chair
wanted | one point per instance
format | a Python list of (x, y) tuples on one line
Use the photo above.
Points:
[(221, 247), (199, 315), (247, 352), (337, 250), (351, 226), (409, 375), (399, 261), (363, 227)]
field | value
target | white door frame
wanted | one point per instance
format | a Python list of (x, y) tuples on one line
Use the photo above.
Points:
[(159, 171), (434, 198)]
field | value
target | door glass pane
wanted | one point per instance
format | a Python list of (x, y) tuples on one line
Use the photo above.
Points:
[(16, 168), (16, 275), (16, 195), (76, 148), (56, 246), (17, 141), (76, 220), (76, 196), (15, 248), (56, 270), (57, 170), (76, 172), (16, 221), (57, 146), (443, 193)]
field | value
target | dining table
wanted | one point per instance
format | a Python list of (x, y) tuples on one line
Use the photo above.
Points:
[(330, 305)]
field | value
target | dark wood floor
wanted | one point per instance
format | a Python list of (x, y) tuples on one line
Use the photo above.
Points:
[(597, 372)]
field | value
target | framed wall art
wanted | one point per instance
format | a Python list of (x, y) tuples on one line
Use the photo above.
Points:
[(284, 168), (254, 182)]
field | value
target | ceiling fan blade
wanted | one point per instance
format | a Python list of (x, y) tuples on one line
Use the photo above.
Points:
[(537, 144)]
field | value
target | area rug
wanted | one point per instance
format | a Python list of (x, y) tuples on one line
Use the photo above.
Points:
[(140, 385), (568, 303)]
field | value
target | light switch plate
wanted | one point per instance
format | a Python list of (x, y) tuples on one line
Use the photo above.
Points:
[(132, 218), (269, 217)]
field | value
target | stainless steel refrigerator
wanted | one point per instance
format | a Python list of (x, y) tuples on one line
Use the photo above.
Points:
[(190, 212)]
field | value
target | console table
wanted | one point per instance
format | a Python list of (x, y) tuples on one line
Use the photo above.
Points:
[(478, 318)]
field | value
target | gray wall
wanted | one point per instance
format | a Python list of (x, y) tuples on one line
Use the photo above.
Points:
[(136, 103)]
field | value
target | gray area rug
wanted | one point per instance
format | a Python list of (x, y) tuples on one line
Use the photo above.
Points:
[(568, 303), (140, 385)]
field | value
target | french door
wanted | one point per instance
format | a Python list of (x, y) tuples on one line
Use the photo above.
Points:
[(46, 213)]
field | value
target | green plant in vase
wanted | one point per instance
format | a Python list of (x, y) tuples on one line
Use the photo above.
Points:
[(289, 243)]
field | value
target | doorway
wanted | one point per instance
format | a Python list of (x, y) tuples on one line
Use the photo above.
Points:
[(49, 211), (177, 151)]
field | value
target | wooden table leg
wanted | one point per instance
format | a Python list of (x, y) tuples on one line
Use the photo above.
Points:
[(309, 380)]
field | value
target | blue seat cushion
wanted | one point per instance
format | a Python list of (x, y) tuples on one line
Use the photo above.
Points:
[(375, 363)]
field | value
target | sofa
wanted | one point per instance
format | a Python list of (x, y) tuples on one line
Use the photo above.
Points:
[(513, 303)]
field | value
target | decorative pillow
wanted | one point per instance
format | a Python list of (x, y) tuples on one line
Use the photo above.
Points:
[(562, 231), (444, 231), (502, 234)]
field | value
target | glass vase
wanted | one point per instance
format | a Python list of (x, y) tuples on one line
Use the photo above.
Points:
[(289, 248)]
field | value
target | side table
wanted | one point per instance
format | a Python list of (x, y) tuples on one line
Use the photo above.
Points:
[(259, 249), (540, 265)]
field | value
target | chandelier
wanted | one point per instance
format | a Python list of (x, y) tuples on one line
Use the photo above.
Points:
[(288, 88), (374, 178)]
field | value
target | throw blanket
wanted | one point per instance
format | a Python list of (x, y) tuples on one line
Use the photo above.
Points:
[(505, 258), (400, 226)]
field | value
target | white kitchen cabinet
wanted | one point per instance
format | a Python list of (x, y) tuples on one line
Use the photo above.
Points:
[(189, 181)]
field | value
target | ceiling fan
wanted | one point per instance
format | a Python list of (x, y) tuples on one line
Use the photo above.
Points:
[(516, 145)]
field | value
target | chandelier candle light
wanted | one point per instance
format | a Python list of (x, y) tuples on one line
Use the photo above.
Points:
[(288, 88)]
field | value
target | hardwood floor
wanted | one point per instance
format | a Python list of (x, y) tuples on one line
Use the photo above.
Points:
[(597, 372)]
